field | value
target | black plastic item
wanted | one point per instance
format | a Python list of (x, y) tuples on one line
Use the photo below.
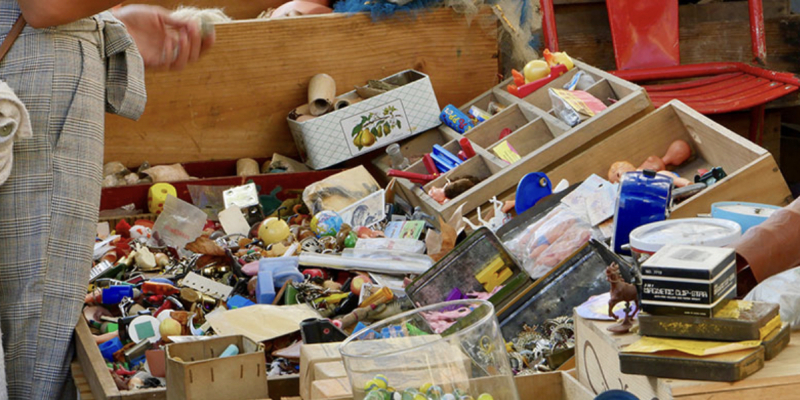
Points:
[(458, 268), (567, 286), (348, 305), (315, 330)]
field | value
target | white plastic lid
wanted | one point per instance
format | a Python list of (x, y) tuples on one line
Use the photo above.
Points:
[(712, 232)]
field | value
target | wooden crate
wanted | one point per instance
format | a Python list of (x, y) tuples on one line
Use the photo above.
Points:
[(95, 372), (598, 369), (753, 174), (558, 385), (542, 140), (233, 103)]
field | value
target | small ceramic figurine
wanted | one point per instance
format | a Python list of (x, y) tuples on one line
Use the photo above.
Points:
[(618, 169), (653, 163), (677, 154), (621, 291)]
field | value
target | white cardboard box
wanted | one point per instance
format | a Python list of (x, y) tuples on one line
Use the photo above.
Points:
[(412, 108)]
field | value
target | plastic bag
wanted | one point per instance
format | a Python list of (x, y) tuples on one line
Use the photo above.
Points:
[(179, 223), (574, 106), (783, 289), (549, 241), (581, 81)]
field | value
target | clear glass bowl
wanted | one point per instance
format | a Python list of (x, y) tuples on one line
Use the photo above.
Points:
[(444, 351)]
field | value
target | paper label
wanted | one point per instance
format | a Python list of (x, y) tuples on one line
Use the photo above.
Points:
[(376, 127), (506, 152)]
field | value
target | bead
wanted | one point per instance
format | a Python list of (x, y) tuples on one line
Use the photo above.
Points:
[(424, 388), (374, 395), (350, 240), (485, 396), (435, 393), (382, 380), (449, 396), (371, 385), (410, 394)]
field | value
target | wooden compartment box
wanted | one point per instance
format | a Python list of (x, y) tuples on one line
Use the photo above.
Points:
[(542, 140), (753, 175)]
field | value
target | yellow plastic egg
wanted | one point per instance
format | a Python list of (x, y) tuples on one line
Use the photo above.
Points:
[(273, 230), (535, 70)]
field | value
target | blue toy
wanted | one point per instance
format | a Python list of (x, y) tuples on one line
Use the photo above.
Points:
[(532, 188)]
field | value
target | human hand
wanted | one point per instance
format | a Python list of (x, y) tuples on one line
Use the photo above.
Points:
[(164, 42)]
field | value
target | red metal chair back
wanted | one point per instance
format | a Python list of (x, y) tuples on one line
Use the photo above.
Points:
[(645, 33)]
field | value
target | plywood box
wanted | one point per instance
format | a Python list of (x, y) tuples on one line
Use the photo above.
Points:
[(597, 359), (753, 175), (559, 385), (234, 101), (541, 140)]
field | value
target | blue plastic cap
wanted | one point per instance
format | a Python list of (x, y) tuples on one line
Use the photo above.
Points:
[(110, 347), (115, 294), (239, 302)]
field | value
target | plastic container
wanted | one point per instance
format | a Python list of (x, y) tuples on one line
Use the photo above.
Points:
[(274, 272), (713, 232), (480, 254), (397, 159), (747, 215), (445, 347)]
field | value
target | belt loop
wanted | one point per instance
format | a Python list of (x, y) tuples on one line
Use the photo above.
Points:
[(101, 43)]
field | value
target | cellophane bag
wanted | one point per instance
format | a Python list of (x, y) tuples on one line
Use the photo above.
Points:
[(550, 240)]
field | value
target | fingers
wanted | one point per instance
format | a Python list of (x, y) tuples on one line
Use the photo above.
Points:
[(208, 41), (182, 53), (195, 41)]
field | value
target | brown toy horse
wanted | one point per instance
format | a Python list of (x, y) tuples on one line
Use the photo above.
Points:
[(621, 291)]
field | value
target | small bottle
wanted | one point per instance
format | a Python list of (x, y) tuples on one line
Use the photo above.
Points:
[(398, 161)]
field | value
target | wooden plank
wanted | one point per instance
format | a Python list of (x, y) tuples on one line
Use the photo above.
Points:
[(572, 389), (84, 390), (546, 385), (759, 182), (233, 103), (740, 123), (708, 33), (91, 361), (239, 9)]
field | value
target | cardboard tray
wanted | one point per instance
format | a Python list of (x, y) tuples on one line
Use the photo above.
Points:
[(103, 387), (542, 141)]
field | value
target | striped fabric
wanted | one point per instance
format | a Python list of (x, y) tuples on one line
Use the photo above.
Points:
[(67, 77)]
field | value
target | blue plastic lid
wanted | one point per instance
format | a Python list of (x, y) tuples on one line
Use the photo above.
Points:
[(616, 395)]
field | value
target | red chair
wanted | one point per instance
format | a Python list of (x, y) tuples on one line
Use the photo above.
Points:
[(646, 47)]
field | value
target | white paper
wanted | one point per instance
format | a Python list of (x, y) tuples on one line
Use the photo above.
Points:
[(261, 322), (233, 221)]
